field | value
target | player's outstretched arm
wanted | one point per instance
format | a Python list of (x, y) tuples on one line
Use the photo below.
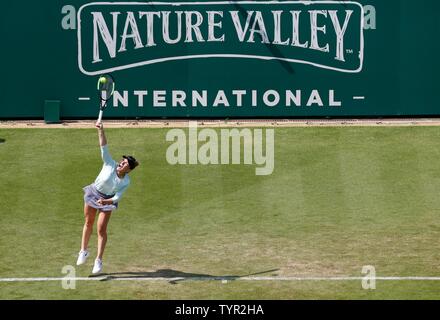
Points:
[(101, 134)]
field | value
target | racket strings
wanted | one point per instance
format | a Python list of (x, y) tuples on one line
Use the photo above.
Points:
[(106, 87)]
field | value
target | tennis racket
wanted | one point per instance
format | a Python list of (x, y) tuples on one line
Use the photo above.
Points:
[(106, 87)]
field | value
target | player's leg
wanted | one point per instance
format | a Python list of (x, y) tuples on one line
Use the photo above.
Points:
[(89, 219), (103, 219)]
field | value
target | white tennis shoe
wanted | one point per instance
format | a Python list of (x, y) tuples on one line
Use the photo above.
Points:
[(82, 257), (97, 268)]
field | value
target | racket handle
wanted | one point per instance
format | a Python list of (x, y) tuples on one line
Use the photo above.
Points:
[(100, 116)]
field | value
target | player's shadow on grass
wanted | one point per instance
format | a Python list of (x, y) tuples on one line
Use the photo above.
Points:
[(174, 276), (2, 140)]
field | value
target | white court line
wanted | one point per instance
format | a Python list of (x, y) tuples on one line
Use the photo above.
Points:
[(358, 98), (84, 99), (128, 278)]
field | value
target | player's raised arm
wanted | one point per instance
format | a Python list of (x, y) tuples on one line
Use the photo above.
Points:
[(101, 134), (106, 157)]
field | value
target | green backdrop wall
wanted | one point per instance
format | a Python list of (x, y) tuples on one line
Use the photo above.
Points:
[(230, 59)]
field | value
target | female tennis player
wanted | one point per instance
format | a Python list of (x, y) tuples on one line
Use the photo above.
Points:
[(103, 196)]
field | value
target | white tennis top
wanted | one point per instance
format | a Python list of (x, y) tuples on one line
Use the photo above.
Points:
[(108, 181)]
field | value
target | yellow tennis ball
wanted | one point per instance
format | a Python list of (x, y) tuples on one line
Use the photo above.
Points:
[(102, 80)]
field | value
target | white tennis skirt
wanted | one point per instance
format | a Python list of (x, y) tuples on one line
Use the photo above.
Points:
[(92, 195)]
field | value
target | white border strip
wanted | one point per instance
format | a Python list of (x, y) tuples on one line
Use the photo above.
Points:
[(138, 64), (231, 278)]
